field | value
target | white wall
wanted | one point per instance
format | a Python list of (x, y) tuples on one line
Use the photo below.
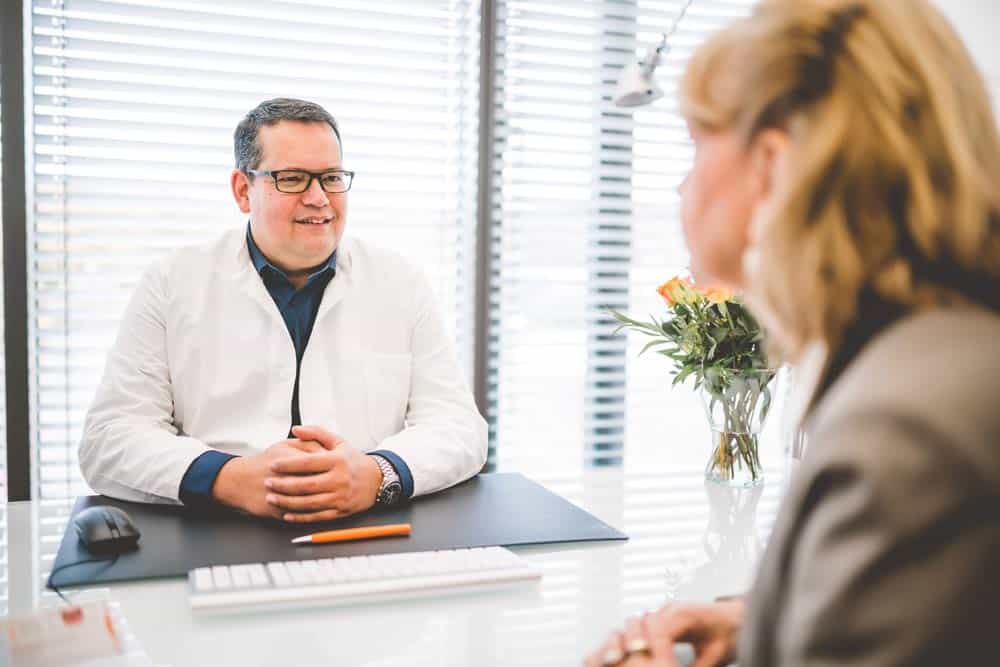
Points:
[(978, 22)]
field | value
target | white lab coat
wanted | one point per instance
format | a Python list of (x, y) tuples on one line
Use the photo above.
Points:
[(204, 360)]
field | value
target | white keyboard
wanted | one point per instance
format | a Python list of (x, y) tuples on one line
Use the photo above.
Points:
[(355, 579)]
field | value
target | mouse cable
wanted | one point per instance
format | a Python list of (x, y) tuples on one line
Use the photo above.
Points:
[(52, 575)]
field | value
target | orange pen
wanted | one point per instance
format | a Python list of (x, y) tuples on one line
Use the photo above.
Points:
[(354, 534)]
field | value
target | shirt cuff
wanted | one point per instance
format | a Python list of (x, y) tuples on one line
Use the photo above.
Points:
[(196, 485), (403, 470)]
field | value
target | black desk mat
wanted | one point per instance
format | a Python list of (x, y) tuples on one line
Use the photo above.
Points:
[(504, 509)]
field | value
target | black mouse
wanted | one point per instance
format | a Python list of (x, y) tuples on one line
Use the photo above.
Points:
[(105, 529)]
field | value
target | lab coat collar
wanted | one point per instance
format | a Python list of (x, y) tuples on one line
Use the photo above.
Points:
[(243, 272), (260, 261)]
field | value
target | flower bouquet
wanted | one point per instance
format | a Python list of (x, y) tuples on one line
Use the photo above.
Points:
[(712, 338)]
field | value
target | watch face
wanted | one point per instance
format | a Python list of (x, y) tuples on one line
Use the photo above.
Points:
[(391, 493)]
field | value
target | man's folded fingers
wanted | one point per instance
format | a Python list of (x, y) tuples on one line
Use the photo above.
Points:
[(312, 517), (308, 446), (313, 503), (318, 434), (302, 465), (299, 485)]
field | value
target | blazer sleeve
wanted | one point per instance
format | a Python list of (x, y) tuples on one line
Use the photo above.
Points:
[(895, 552), (445, 439), (130, 447)]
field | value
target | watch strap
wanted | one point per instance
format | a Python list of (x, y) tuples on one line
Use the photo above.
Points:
[(390, 478)]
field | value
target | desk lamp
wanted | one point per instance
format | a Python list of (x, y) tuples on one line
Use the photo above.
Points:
[(637, 86)]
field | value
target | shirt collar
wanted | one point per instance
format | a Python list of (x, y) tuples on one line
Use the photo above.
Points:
[(260, 262)]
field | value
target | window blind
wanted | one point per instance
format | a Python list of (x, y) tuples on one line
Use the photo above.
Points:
[(585, 219), (3, 369), (4, 573), (134, 105), (664, 422)]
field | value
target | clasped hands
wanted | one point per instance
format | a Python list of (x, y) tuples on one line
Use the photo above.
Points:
[(648, 640), (315, 476)]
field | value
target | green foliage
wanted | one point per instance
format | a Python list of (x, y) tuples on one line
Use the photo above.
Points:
[(707, 341)]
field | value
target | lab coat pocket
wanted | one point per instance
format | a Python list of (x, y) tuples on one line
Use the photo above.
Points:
[(387, 380)]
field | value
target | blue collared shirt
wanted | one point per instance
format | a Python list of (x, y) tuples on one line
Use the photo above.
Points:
[(298, 308)]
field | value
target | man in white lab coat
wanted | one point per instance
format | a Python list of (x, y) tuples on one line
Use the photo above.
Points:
[(283, 370)]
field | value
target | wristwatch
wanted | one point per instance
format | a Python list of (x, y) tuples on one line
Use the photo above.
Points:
[(391, 490)]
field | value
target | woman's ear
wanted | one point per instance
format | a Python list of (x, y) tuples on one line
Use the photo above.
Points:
[(768, 162), (241, 190)]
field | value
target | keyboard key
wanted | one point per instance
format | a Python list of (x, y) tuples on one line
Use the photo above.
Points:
[(279, 575), (312, 571), (220, 574), (329, 573), (258, 576), (240, 576), (297, 573), (203, 580)]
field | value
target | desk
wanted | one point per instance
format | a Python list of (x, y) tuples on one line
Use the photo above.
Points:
[(689, 540)]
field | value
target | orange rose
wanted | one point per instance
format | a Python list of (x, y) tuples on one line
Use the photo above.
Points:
[(717, 294), (676, 290)]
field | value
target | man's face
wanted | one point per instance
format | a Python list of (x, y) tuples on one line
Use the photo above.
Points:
[(294, 231)]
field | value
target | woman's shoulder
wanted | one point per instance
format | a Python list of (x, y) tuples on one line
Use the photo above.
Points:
[(888, 520), (929, 384)]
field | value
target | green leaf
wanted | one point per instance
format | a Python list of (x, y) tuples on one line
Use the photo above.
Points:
[(766, 407), (684, 374), (724, 310), (653, 343), (706, 341)]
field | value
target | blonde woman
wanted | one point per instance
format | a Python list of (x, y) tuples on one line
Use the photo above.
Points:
[(847, 179)]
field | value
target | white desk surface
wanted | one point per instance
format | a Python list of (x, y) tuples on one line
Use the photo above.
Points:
[(689, 540)]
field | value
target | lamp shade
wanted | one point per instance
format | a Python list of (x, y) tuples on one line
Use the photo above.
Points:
[(637, 86)]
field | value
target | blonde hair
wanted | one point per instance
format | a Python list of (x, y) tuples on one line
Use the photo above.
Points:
[(895, 153)]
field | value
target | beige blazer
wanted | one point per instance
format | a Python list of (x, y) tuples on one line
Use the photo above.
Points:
[(887, 548)]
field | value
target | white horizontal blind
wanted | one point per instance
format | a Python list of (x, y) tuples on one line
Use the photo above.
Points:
[(550, 59), (134, 106), (664, 422), (585, 219)]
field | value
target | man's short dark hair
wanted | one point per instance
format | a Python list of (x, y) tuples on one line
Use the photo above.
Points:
[(269, 112)]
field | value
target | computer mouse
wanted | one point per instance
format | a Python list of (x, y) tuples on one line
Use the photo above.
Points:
[(106, 529)]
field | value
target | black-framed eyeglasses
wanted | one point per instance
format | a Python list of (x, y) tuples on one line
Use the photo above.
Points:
[(297, 181)]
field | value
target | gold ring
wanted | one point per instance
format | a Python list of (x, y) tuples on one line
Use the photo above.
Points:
[(612, 657), (637, 645)]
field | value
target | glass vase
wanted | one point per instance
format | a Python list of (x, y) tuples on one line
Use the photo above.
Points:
[(737, 403)]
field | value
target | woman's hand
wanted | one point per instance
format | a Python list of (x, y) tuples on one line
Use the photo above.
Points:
[(648, 641)]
